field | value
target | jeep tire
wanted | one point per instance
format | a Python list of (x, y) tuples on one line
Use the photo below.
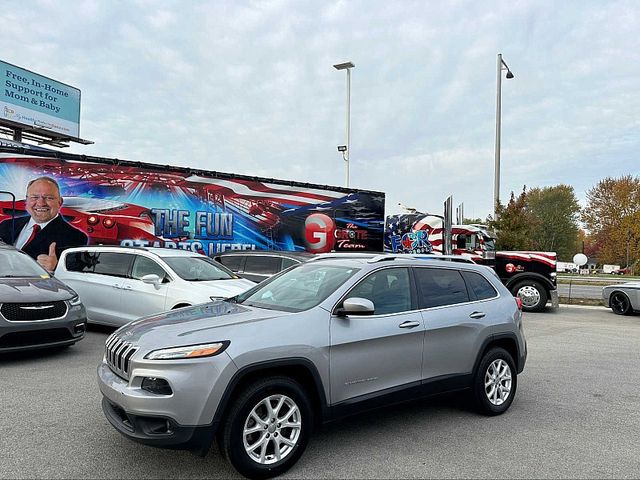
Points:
[(267, 428), (495, 382)]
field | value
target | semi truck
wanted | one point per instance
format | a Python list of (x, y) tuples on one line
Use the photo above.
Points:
[(119, 202), (530, 276)]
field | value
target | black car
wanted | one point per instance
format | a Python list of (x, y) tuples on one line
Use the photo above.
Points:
[(258, 265), (36, 309)]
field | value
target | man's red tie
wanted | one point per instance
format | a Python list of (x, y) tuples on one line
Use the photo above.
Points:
[(36, 229)]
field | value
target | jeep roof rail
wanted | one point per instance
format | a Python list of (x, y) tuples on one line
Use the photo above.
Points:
[(400, 256)]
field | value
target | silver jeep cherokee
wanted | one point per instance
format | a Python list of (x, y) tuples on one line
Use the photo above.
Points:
[(319, 341)]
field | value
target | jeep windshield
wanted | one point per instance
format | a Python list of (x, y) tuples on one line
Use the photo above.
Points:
[(15, 264), (301, 288), (199, 269)]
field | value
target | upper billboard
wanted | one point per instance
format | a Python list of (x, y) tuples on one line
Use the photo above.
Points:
[(36, 101)]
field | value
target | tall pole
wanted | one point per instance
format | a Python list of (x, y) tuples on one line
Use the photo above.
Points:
[(346, 149), (348, 152), (496, 178)]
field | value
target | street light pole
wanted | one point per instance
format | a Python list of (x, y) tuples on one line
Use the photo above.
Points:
[(347, 151), (496, 180)]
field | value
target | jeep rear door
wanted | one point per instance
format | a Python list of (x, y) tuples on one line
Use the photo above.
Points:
[(454, 320)]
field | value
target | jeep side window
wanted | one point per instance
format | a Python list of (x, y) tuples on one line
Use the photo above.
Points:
[(439, 286), (144, 266), (388, 289), (479, 285)]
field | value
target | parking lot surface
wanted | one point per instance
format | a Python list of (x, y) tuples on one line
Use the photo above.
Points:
[(576, 415)]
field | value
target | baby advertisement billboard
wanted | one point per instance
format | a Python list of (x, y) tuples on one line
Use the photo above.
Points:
[(33, 100), (134, 204)]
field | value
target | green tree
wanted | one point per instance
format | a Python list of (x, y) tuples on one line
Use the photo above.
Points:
[(469, 221), (556, 210), (514, 223), (612, 216)]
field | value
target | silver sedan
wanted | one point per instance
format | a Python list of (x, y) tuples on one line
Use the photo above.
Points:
[(622, 298)]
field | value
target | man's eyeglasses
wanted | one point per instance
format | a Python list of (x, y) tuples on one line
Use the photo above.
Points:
[(46, 198)]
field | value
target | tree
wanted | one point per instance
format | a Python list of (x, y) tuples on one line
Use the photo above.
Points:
[(587, 244), (514, 223), (556, 210), (612, 215)]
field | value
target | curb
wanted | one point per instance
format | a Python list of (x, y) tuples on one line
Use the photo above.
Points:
[(591, 307)]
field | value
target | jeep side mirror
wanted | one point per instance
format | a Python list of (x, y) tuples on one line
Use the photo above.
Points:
[(152, 278), (355, 306)]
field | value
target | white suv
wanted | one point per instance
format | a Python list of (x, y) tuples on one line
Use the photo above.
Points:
[(120, 284)]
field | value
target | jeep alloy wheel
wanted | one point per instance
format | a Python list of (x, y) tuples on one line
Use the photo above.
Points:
[(272, 429), (267, 427), (497, 382)]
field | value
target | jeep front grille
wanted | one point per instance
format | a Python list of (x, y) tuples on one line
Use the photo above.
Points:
[(118, 354)]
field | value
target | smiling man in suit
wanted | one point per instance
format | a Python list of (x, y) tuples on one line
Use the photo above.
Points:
[(44, 234)]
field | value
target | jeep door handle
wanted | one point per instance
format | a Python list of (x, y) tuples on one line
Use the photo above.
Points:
[(409, 324), (477, 315), (126, 287), (117, 285)]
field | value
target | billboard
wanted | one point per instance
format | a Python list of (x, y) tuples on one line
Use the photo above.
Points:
[(122, 203), (33, 100)]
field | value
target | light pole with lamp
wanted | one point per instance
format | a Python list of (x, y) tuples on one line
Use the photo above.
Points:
[(496, 181), (346, 149)]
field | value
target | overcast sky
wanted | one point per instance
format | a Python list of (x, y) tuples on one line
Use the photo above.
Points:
[(249, 87)]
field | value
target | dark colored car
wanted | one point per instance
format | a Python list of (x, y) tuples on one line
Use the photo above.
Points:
[(36, 309), (258, 265)]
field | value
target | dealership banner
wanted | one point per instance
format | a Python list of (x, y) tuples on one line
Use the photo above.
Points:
[(38, 101), (120, 203)]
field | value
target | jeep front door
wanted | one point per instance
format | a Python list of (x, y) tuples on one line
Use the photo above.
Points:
[(376, 353)]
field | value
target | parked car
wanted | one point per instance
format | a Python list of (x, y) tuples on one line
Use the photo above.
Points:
[(36, 310), (258, 265), (120, 284), (621, 271), (321, 340), (622, 298)]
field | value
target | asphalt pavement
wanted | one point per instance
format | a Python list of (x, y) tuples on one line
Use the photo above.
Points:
[(576, 415)]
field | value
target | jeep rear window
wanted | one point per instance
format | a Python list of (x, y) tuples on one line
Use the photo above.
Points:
[(298, 289)]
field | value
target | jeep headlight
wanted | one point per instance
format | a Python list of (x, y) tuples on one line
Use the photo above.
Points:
[(188, 351)]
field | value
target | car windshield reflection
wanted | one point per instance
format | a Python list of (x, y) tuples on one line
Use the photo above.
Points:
[(199, 269), (14, 264), (298, 289)]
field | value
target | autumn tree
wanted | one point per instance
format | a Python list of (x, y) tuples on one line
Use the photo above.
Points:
[(612, 215), (556, 211), (513, 223)]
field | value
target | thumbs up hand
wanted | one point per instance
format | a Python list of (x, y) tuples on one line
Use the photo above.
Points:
[(49, 261)]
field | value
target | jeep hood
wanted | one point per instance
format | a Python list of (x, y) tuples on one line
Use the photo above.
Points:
[(192, 325)]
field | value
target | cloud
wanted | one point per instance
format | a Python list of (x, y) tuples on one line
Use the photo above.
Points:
[(249, 87)]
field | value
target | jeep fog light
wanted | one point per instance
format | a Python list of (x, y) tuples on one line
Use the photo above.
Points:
[(159, 386)]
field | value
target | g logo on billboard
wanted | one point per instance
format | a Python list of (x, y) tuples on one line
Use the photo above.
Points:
[(319, 232)]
